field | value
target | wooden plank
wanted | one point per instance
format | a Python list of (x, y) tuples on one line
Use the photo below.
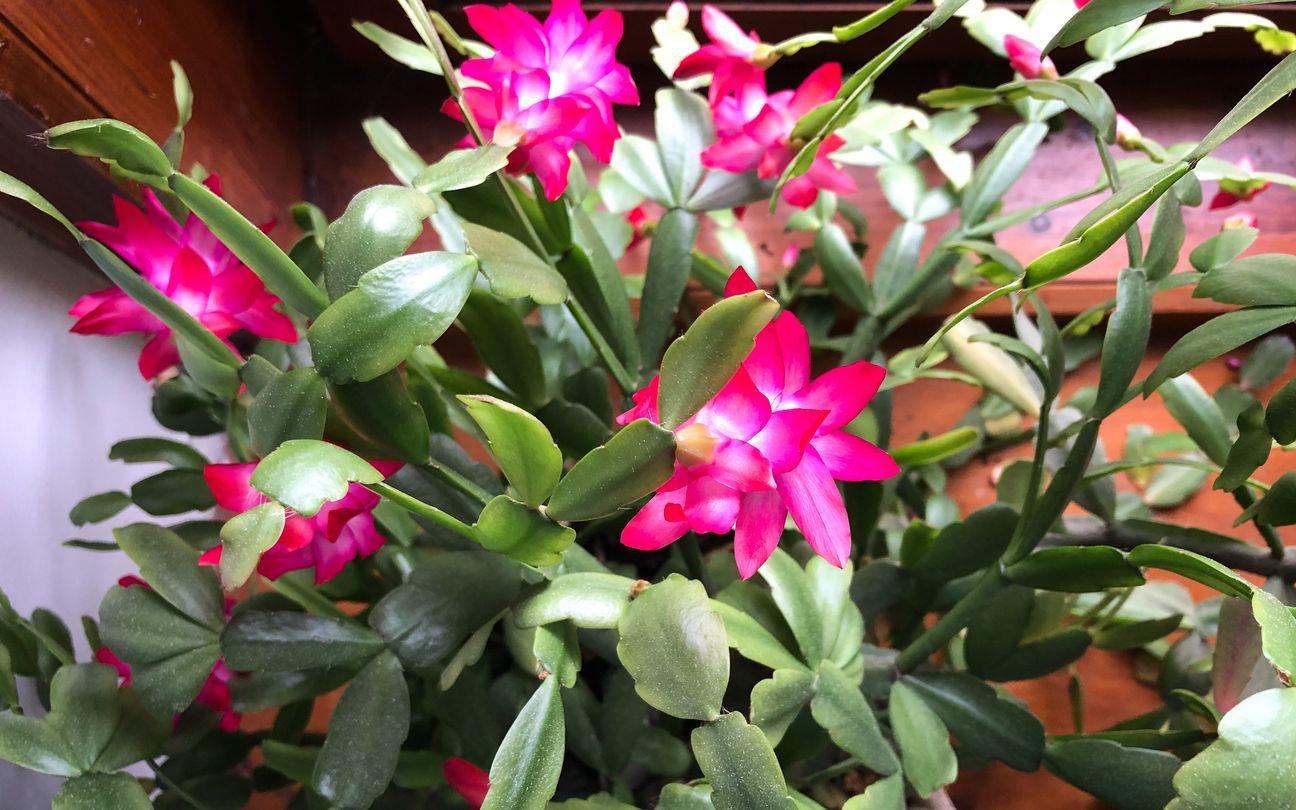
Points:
[(79, 58)]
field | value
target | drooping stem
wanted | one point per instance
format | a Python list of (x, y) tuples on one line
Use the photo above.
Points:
[(1133, 240), (949, 625), (427, 31), (424, 510)]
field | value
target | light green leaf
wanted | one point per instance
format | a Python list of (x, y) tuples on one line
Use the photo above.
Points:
[(925, 751), (303, 474), (741, 766), (512, 269), (524, 774), (667, 272), (244, 538), (1250, 764), (510, 528), (840, 708), (102, 791), (1277, 632), (378, 225), (522, 445), (409, 53), (674, 646), (777, 700), (113, 142), (588, 600), (462, 168), (1193, 566)]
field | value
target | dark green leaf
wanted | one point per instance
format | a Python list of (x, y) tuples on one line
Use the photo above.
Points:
[(1268, 279), (170, 566), (278, 641), (365, 736), (165, 451), (1079, 569), (1200, 416), (1280, 414), (985, 724), (997, 628), (1106, 14), (776, 701), (382, 413), (698, 364), (399, 305), (500, 338), (1249, 451), (1038, 658), (97, 508), (669, 260), (1127, 778), (1277, 83), (172, 492), (445, 600), (841, 267), (1221, 248), (1219, 335), (291, 406), (378, 225), (963, 548), (1000, 169), (1125, 341), (1129, 635), (675, 647), (634, 462), (1267, 362)]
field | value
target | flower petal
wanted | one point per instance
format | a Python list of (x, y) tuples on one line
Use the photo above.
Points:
[(817, 508), (760, 525), (651, 529), (850, 458), (842, 392)]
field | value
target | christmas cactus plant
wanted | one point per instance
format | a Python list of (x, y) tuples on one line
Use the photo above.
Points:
[(658, 549)]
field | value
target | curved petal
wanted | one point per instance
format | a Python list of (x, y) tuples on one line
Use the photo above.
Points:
[(158, 355), (786, 436), (850, 458), (231, 485), (741, 466), (466, 779), (760, 525), (842, 392), (816, 505), (739, 410), (651, 529), (710, 506), (779, 363)]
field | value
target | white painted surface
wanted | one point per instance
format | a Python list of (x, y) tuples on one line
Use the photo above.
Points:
[(65, 399)]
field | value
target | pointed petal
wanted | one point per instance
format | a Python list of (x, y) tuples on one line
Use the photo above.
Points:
[(231, 485), (817, 507), (842, 392), (740, 282), (158, 355), (710, 506), (850, 458), (780, 362), (786, 436), (651, 529), (739, 411), (760, 525)]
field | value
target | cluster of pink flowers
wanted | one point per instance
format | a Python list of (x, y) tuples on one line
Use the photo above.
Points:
[(188, 263), (340, 531), (548, 86), (215, 692), (754, 127), (770, 442)]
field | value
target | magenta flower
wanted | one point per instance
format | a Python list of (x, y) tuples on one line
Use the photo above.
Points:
[(1128, 136), (754, 129), (1027, 59), (1232, 192), (466, 779), (547, 87), (728, 41), (215, 692), (340, 531), (192, 267), (770, 442)]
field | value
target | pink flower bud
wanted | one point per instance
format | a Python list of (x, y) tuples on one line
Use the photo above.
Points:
[(1027, 59), (1242, 219), (1128, 136)]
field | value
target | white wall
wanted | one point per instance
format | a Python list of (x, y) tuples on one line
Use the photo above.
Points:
[(64, 400)]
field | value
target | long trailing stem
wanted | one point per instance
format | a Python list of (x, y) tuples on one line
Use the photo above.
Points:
[(427, 31), (1133, 240), (1240, 556), (958, 617)]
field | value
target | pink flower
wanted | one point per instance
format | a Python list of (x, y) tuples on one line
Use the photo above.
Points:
[(466, 779), (637, 219), (547, 87), (753, 129), (1027, 59), (1128, 136), (338, 533), (215, 692), (192, 267), (1242, 219), (770, 442), (1232, 192), (728, 41)]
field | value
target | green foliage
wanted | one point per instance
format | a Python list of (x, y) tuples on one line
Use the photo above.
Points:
[(489, 610)]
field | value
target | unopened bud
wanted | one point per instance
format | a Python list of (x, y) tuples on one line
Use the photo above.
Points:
[(1128, 136)]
